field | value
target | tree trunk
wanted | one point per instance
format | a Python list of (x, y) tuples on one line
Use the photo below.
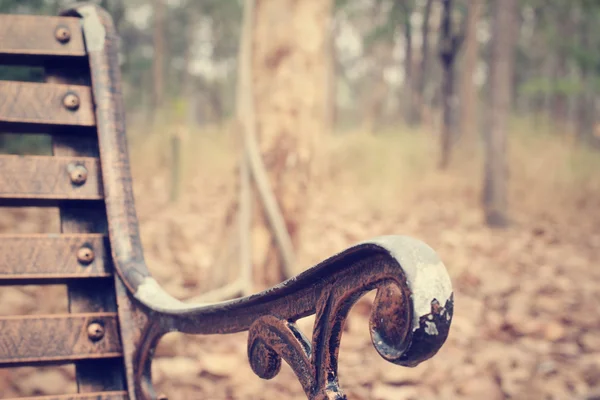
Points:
[(447, 110), (331, 86), (187, 78), (584, 126), (469, 96), (498, 112), (419, 95), (375, 87), (449, 47), (559, 107), (246, 116), (409, 83), (158, 61), (290, 43)]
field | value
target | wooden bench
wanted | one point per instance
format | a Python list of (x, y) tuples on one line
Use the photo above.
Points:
[(117, 311)]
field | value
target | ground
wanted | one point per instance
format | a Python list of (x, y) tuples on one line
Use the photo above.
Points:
[(526, 309)]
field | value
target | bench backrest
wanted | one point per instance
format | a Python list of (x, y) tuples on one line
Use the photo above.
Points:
[(79, 255)]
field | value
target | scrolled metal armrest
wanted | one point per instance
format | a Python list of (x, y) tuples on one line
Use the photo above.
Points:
[(409, 322)]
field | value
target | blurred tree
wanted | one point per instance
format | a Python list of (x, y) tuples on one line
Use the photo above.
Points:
[(402, 12), (289, 48), (332, 77), (158, 60), (380, 57), (451, 39), (469, 92), (584, 51), (503, 35), (380, 21), (422, 73)]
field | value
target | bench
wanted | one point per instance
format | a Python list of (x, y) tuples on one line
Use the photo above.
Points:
[(117, 311)]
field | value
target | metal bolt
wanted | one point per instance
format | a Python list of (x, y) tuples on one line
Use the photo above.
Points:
[(85, 255), (77, 173), (62, 34), (95, 331), (71, 101)]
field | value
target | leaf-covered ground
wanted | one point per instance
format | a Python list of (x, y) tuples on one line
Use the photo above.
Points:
[(527, 314)]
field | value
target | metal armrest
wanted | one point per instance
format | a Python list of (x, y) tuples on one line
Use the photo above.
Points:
[(409, 321)]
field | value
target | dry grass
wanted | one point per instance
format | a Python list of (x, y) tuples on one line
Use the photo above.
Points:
[(549, 177)]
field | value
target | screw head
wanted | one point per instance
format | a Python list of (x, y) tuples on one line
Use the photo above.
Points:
[(62, 34), (71, 101), (85, 255), (95, 331), (78, 174)]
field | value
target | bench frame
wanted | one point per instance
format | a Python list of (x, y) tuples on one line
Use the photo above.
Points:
[(410, 319)]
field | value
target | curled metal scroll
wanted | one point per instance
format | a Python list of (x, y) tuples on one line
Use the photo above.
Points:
[(397, 333), (410, 319)]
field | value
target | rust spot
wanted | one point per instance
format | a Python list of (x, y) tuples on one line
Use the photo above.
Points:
[(77, 173), (95, 331), (62, 34), (71, 101), (85, 255)]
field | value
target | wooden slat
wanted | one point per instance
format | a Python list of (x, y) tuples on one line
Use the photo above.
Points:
[(42, 103), (120, 395), (51, 257), (46, 177), (34, 36), (56, 338)]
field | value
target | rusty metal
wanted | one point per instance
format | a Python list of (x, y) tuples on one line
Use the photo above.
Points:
[(62, 34), (95, 331), (78, 173), (410, 319), (71, 101), (85, 255)]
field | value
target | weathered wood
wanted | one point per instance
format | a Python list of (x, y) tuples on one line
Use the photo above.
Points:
[(89, 295), (45, 177), (38, 36), (57, 338), (53, 257), (44, 103), (120, 395)]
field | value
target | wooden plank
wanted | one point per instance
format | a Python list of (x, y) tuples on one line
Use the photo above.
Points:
[(47, 177), (120, 395), (36, 37), (27, 340), (44, 103), (53, 257)]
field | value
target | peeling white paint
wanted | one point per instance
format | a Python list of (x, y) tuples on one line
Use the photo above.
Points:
[(431, 329), (150, 293), (427, 276), (93, 30)]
